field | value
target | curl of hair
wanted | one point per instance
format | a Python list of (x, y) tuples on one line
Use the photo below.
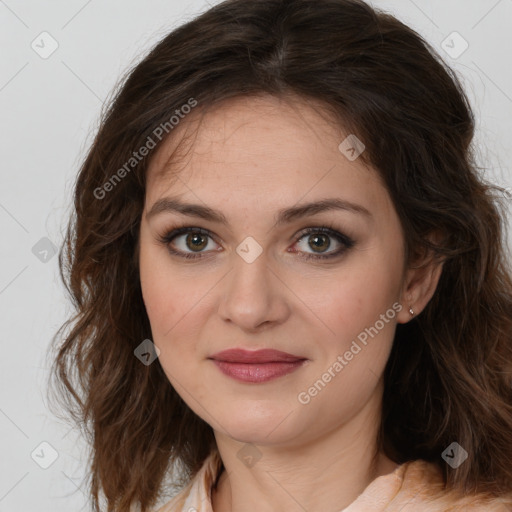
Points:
[(449, 375)]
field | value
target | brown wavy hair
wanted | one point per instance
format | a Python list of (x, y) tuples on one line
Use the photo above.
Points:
[(449, 375)]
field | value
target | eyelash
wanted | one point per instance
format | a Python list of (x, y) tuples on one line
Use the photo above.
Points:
[(343, 239)]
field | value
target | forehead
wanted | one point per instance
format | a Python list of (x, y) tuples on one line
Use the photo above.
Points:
[(260, 143), (208, 129)]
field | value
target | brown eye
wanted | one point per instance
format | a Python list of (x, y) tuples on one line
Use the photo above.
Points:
[(196, 241), (191, 246), (319, 241)]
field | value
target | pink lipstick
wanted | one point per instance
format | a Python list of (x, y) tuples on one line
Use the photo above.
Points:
[(256, 366)]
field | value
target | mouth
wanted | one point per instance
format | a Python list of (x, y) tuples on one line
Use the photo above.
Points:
[(256, 366)]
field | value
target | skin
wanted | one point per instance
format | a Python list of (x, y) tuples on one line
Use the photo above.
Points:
[(250, 158)]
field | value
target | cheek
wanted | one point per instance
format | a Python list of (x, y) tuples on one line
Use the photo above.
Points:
[(167, 315), (162, 292), (352, 299), (157, 299), (359, 318), (175, 303), (167, 295)]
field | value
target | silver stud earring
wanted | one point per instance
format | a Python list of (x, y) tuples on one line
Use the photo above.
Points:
[(411, 311)]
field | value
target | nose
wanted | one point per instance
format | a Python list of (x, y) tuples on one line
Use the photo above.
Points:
[(253, 297)]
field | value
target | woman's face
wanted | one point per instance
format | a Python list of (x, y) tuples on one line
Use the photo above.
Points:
[(248, 283)]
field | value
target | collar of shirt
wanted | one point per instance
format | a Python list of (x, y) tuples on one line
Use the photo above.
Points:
[(415, 486)]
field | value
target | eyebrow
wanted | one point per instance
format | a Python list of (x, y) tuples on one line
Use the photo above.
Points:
[(287, 215)]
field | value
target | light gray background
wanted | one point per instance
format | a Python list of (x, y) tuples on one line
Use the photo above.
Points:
[(49, 112)]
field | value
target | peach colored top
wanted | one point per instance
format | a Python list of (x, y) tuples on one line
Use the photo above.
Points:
[(415, 486)]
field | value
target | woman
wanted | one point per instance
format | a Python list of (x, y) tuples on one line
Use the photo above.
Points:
[(290, 281)]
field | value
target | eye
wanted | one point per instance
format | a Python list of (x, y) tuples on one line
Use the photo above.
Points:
[(318, 239), (195, 241)]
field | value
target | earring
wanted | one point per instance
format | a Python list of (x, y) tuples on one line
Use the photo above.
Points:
[(411, 311)]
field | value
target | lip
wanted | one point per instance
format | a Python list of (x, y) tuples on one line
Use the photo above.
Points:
[(240, 355), (257, 372), (256, 366)]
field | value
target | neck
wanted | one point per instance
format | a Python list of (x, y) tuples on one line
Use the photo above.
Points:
[(325, 474)]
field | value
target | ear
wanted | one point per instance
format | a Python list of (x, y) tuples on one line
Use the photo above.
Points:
[(420, 281)]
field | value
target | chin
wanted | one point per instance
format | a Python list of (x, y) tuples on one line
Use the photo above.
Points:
[(268, 427)]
